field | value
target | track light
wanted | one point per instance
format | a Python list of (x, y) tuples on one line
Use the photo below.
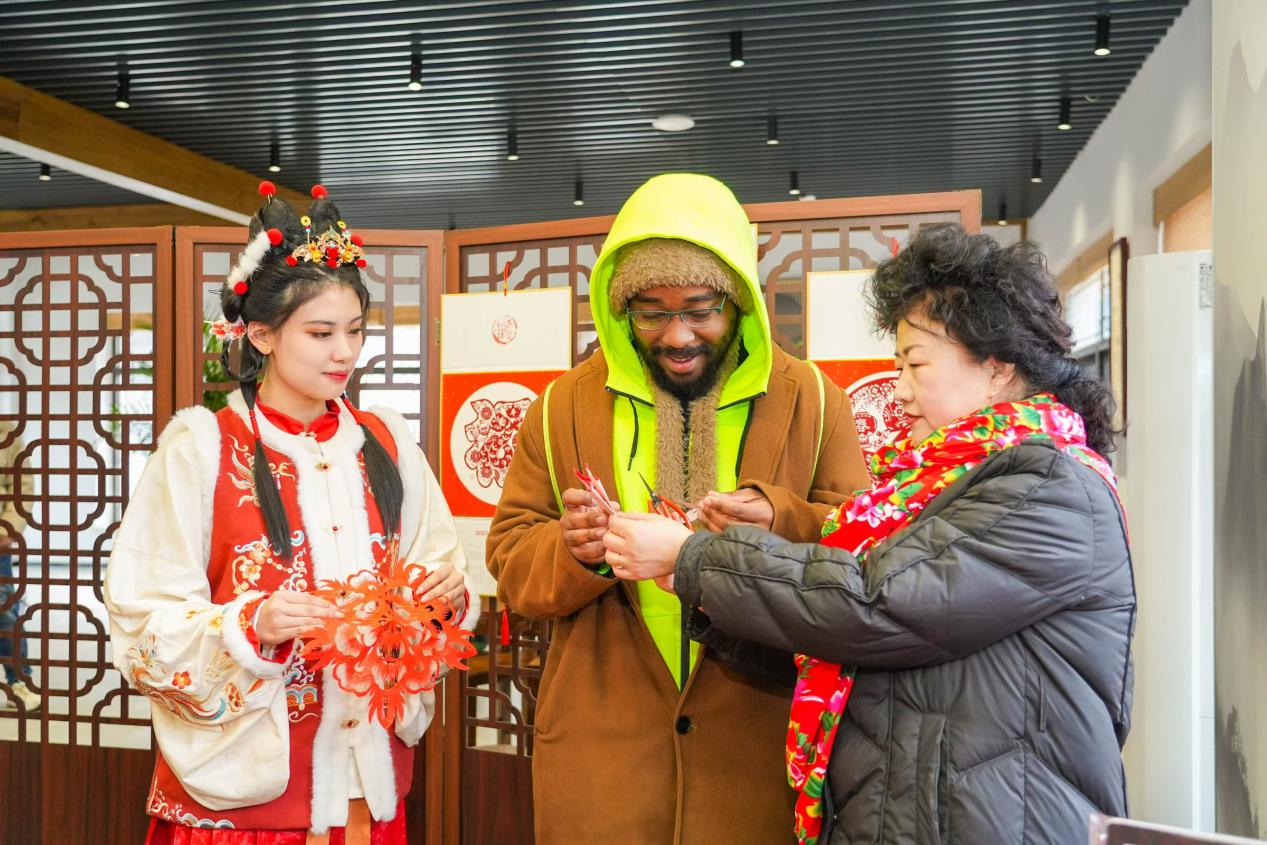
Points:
[(45, 173), (123, 91), (772, 131), (736, 49), (578, 198), (794, 187), (1102, 35), (1036, 170), (275, 157), (1002, 213), (1066, 114), (415, 71), (512, 145)]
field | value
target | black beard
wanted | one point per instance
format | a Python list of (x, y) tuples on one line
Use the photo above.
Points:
[(699, 386)]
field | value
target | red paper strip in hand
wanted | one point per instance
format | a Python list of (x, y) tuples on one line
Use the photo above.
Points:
[(594, 485), (385, 644)]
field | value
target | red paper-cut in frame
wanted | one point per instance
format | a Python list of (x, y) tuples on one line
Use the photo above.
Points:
[(456, 390)]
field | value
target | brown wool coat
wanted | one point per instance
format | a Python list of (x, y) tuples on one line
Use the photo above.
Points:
[(620, 755)]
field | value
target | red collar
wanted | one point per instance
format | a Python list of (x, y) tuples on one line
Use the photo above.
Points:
[(323, 427)]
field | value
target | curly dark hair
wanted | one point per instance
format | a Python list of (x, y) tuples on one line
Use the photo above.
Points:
[(999, 302)]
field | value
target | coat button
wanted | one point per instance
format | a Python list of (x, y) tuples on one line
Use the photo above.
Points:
[(683, 724)]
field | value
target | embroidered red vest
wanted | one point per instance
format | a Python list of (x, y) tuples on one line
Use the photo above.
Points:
[(241, 560)]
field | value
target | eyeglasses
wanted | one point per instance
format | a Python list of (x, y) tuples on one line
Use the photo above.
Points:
[(695, 318)]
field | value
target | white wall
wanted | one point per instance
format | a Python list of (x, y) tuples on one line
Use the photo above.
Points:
[(1161, 121)]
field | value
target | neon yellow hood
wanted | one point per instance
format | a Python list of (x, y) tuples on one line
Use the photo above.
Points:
[(700, 209)]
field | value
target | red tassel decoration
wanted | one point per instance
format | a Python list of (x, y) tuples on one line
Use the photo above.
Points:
[(267, 188), (275, 237), (360, 262), (292, 261), (894, 246), (240, 288), (319, 191), (358, 240), (504, 639)]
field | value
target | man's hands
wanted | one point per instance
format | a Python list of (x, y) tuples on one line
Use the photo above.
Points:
[(583, 525)]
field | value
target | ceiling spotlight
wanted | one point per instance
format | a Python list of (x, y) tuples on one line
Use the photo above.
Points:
[(772, 131), (674, 122), (1102, 35), (275, 158), (45, 173), (1036, 170), (794, 187), (736, 49), (123, 91), (415, 71), (512, 145), (1066, 114), (1002, 213), (578, 198)]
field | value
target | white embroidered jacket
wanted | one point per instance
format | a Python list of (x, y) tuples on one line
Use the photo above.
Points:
[(164, 627)]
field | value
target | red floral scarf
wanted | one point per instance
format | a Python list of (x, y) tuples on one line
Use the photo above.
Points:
[(908, 476)]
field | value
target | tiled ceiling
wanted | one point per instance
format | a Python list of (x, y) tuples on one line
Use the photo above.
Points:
[(871, 97)]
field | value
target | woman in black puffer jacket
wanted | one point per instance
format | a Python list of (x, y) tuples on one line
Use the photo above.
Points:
[(963, 630)]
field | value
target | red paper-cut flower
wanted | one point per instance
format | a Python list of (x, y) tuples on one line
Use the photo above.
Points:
[(386, 645)]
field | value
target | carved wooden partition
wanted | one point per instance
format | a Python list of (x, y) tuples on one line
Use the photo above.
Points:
[(84, 384), (488, 775)]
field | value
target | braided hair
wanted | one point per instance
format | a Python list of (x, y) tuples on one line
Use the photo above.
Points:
[(271, 292)]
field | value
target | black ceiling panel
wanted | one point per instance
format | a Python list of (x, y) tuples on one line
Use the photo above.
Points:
[(872, 97)]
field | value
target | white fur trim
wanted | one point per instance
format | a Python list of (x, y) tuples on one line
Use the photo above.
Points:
[(378, 776), (409, 463), (240, 649), (330, 759), (204, 432), (420, 485), (250, 258)]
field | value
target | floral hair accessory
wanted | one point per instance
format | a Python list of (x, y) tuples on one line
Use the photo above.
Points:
[(330, 247), (227, 331)]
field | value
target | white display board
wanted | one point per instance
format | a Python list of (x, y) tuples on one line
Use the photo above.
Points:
[(838, 324), (514, 332)]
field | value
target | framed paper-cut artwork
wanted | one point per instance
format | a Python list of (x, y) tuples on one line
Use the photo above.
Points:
[(498, 351)]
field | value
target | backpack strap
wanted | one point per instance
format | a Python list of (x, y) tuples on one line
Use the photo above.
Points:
[(545, 433), (822, 414)]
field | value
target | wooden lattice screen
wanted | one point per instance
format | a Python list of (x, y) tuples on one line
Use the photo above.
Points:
[(84, 383)]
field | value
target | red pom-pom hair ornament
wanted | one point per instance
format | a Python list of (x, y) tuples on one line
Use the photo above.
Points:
[(360, 262), (332, 262), (292, 261), (275, 237), (267, 188), (319, 191), (358, 240), (332, 252), (240, 288)]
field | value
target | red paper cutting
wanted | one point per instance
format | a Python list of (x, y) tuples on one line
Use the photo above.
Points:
[(386, 645)]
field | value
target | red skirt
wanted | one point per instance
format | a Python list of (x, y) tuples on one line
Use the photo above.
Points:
[(163, 832)]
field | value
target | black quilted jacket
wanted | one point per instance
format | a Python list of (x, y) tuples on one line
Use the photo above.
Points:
[(992, 638)]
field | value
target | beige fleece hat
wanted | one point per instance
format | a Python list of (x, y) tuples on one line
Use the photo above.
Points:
[(670, 262)]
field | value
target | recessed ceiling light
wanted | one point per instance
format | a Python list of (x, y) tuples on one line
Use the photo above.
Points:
[(674, 122)]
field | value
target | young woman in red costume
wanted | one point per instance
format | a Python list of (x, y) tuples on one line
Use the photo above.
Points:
[(239, 514)]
